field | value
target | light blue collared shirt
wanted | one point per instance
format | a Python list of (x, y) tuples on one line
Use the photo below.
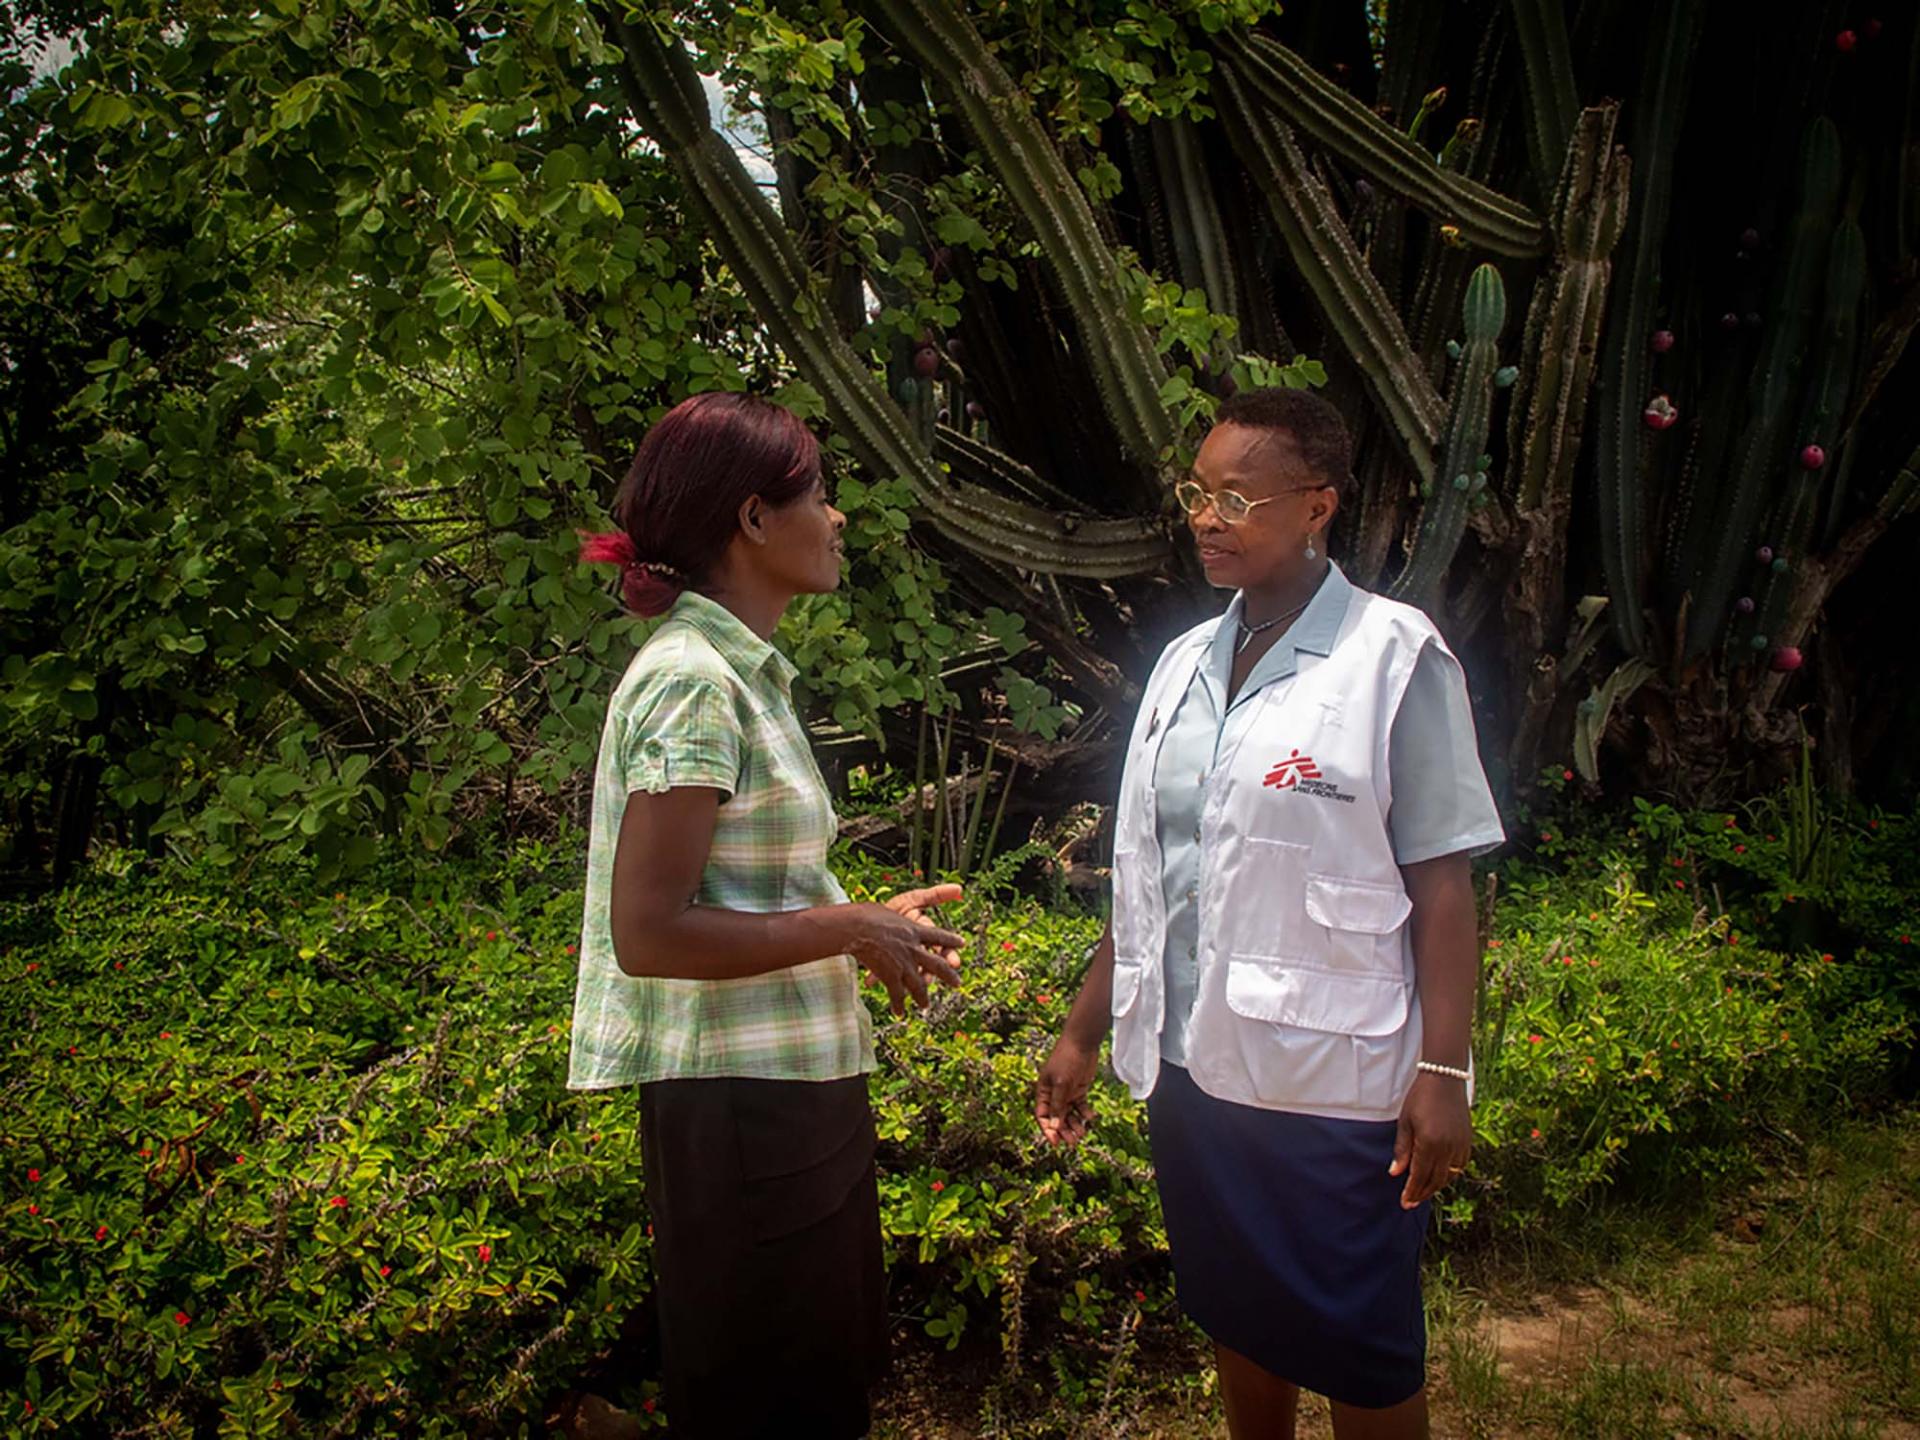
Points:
[(1440, 800)]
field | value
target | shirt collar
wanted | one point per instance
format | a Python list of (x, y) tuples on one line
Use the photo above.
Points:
[(745, 651), (1314, 632)]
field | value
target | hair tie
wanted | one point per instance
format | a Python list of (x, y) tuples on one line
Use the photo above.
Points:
[(661, 570)]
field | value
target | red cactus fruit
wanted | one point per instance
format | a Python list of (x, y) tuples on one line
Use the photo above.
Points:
[(1786, 659), (1660, 413), (1812, 457), (1662, 341)]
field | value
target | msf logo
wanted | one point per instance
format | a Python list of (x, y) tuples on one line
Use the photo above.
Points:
[(1291, 771)]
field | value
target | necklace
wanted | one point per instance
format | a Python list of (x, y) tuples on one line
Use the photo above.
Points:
[(1247, 632)]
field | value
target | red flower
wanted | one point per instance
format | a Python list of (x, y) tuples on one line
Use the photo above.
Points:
[(647, 1405), (1535, 1133), (1906, 940), (1826, 959), (180, 1317), (1547, 836), (1044, 999), (29, 1405), (119, 964), (338, 1202), (239, 1159), (1006, 944), (33, 1177), (144, 1152), (1139, 1296), (1731, 825), (1679, 884), (101, 1233), (1566, 774), (1495, 944), (1535, 1039), (938, 1186), (1676, 1044), (1739, 849), (32, 965), (339, 895), (33, 1209), (493, 934), (486, 1253), (572, 950), (73, 1049), (166, 1035), (385, 1270), (886, 877), (1593, 962)]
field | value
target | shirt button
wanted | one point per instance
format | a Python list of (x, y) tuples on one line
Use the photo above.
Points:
[(1193, 892), (1196, 832)]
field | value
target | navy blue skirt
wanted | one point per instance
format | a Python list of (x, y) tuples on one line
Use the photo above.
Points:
[(1289, 1243)]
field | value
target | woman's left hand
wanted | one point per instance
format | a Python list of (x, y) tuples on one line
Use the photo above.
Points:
[(914, 904), (1435, 1137)]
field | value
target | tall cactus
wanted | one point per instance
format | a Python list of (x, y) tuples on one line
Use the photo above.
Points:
[(665, 93), (1552, 101), (1120, 352), (1332, 117), (1722, 535), (1462, 481), (1346, 291), (1626, 366)]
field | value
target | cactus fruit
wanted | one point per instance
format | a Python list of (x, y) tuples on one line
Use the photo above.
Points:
[(1764, 554), (926, 362), (976, 411), (1660, 413), (1786, 659), (1744, 605), (1749, 239), (1730, 321), (1845, 41), (1779, 566), (1812, 457), (1662, 341), (1758, 642)]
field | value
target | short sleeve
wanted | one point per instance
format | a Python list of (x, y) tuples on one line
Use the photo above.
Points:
[(682, 731), (1441, 802)]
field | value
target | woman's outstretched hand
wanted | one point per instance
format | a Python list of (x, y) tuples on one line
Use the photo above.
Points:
[(900, 950)]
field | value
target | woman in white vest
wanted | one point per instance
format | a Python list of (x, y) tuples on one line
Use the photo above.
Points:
[(1291, 963)]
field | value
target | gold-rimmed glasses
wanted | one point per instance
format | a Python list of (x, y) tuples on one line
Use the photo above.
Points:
[(1230, 505)]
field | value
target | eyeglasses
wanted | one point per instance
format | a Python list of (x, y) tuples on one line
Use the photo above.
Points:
[(1230, 505)]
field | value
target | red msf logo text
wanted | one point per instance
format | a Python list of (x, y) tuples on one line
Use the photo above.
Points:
[(1291, 771)]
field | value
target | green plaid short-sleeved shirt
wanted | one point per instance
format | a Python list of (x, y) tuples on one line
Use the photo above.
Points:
[(706, 702)]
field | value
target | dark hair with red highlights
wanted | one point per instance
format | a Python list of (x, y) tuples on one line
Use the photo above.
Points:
[(679, 507)]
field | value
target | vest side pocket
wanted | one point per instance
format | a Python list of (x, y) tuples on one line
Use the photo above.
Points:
[(1310, 999)]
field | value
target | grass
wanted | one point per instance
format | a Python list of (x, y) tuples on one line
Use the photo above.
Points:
[(1791, 1312)]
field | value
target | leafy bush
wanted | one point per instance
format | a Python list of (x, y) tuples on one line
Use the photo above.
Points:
[(277, 1159)]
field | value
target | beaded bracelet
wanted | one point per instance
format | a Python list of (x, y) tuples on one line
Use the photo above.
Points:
[(1434, 1068)]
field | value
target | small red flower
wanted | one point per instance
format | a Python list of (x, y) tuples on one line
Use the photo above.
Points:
[(144, 1152), (1044, 999), (119, 964), (1566, 959), (1566, 774), (486, 1253), (1739, 849), (1906, 940), (886, 877), (493, 934), (33, 1177), (1006, 944), (573, 950), (1873, 824), (938, 1186), (101, 1233), (1826, 959), (29, 1405), (166, 1035), (32, 965), (1593, 962), (338, 1202), (1534, 1134), (647, 1405), (1731, 825), (180, 1317), (1139, 1297), (339, 895), (73, 1049), (1535, 1039), (1546, 836), (33, 1209), (1679, 884), (1676, 1044), (385, 1270)]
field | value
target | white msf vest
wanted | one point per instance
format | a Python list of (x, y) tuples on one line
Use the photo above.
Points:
[(1306, 997)]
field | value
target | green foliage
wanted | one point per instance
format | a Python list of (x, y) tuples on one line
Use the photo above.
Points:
[(239, 1106)]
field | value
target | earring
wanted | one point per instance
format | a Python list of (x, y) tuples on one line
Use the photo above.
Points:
[(1312, 554)]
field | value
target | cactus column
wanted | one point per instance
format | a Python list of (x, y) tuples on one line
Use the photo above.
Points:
[(664, 91)]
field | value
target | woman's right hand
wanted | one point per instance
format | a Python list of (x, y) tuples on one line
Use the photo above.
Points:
[(899, 952), (1060, 1098)]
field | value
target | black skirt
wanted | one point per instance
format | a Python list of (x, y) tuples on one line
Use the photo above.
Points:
[(766, 1250)]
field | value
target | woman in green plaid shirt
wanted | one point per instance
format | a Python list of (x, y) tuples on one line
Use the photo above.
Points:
[(719, 958)]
